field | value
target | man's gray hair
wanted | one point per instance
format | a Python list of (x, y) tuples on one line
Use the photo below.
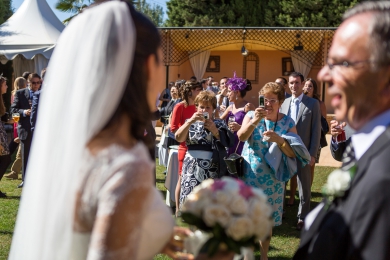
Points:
[(379, 29)]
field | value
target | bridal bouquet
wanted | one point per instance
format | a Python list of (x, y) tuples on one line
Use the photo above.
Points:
[(233, 214)]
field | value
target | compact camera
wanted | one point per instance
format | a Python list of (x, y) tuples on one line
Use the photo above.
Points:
[(261, 101), (206, 115)]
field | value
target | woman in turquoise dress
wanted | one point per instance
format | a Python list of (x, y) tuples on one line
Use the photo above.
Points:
[(260, 129)]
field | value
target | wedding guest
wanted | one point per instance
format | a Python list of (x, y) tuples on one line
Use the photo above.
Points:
[(353, 220), (310, 89), (201, 133), (305, 112), (35, 102), (20, 83), (237, 89), (5, 158), (264, 130), (283, 82), (94, 198), (22, 105), (181, 112)]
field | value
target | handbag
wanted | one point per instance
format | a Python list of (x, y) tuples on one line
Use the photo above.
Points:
[(235, 163)]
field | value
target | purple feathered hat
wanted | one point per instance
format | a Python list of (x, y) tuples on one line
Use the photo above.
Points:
[(236, 83)]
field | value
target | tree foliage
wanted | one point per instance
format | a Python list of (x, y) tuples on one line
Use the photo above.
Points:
[(155, 12), (5, 10), (277, 13)]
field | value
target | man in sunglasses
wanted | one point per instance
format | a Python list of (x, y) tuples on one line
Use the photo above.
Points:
[(22, 105)]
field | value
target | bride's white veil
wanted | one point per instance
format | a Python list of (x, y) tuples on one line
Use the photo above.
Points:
[(85, 81)]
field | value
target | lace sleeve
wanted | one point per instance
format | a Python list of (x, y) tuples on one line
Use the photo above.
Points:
[(122, 204)]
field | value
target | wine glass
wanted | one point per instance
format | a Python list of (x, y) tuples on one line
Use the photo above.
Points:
[(341, 137), (16, 117)]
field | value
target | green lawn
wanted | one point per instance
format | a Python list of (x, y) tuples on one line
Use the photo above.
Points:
[(284, 241)]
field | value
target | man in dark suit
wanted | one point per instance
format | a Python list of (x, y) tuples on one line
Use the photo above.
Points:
[(283, 82), (306, 113), (354, 223), (35, 103), (22, 105)]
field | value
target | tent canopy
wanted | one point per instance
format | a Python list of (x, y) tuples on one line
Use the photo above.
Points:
[(30, 33)]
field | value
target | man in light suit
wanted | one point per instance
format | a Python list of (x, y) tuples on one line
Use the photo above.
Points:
[(22, 105), (354, 224), (306, 113)]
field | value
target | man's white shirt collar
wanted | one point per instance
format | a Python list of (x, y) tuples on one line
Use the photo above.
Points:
[(366, 136), (299, 97)]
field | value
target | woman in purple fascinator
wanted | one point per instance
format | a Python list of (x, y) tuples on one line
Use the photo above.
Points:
[(238, 107)]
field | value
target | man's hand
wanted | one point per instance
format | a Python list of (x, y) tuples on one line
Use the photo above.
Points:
[(27, 112), (336, 128), (312, 161)]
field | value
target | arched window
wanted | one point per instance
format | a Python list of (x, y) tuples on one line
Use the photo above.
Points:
[(251, 67)]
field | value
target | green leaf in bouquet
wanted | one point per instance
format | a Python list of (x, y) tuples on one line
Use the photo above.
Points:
[(211, 246), (194, 220), (233, 245)]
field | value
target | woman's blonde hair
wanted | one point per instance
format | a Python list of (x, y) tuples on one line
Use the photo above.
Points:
[(19, 83), (206, 96), (274, 88)]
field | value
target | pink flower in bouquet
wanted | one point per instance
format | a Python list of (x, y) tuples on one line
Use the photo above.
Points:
[(245, 191), (218, 185)]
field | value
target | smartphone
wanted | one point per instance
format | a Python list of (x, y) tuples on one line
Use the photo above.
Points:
[(206, 115), (261, 101)]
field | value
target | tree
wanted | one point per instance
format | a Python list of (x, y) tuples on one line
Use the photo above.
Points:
[(5, 10), (155, 12), (277, 13)]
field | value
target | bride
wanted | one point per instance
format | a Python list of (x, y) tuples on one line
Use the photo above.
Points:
[(90, 192)]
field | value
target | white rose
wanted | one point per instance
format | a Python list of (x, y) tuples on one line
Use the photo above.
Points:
[(238, 205), (239, 228), (231, 185), (207, 183), (338, 182), (223, 197), (216, 214), (258, 208), (259, 194), (262, 227)]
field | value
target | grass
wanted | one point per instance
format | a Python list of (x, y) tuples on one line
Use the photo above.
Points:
[(285, 239)]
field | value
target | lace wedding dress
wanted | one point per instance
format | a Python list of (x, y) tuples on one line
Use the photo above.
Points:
[(119, 213)]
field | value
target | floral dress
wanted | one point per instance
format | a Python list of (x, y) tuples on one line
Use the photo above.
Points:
[(257, 173), (3, 140), (198, 165)]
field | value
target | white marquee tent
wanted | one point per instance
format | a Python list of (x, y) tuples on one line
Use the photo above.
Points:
[(28, 37)]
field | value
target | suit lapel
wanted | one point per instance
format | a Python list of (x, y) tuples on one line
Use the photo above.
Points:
[(302, 107), (27, 93), (382, 141)]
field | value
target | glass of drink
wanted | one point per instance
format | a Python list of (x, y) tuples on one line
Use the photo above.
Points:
[(16, 117), (341, 137), (231, 119)]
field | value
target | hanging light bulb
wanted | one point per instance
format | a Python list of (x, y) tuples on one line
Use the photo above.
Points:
[(244, 51)]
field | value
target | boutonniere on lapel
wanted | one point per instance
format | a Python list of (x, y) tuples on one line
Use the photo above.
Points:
[(338, 183)]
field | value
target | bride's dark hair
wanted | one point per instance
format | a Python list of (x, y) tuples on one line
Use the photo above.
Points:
[(134, 102)]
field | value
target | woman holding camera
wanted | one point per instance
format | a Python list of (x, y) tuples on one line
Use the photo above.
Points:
[(202, 133), (266, 131)]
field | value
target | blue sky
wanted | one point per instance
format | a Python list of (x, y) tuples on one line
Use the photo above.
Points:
[(62, 16)]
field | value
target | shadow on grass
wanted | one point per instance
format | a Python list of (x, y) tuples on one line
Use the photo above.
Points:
[(12, 198), (3, 232)]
